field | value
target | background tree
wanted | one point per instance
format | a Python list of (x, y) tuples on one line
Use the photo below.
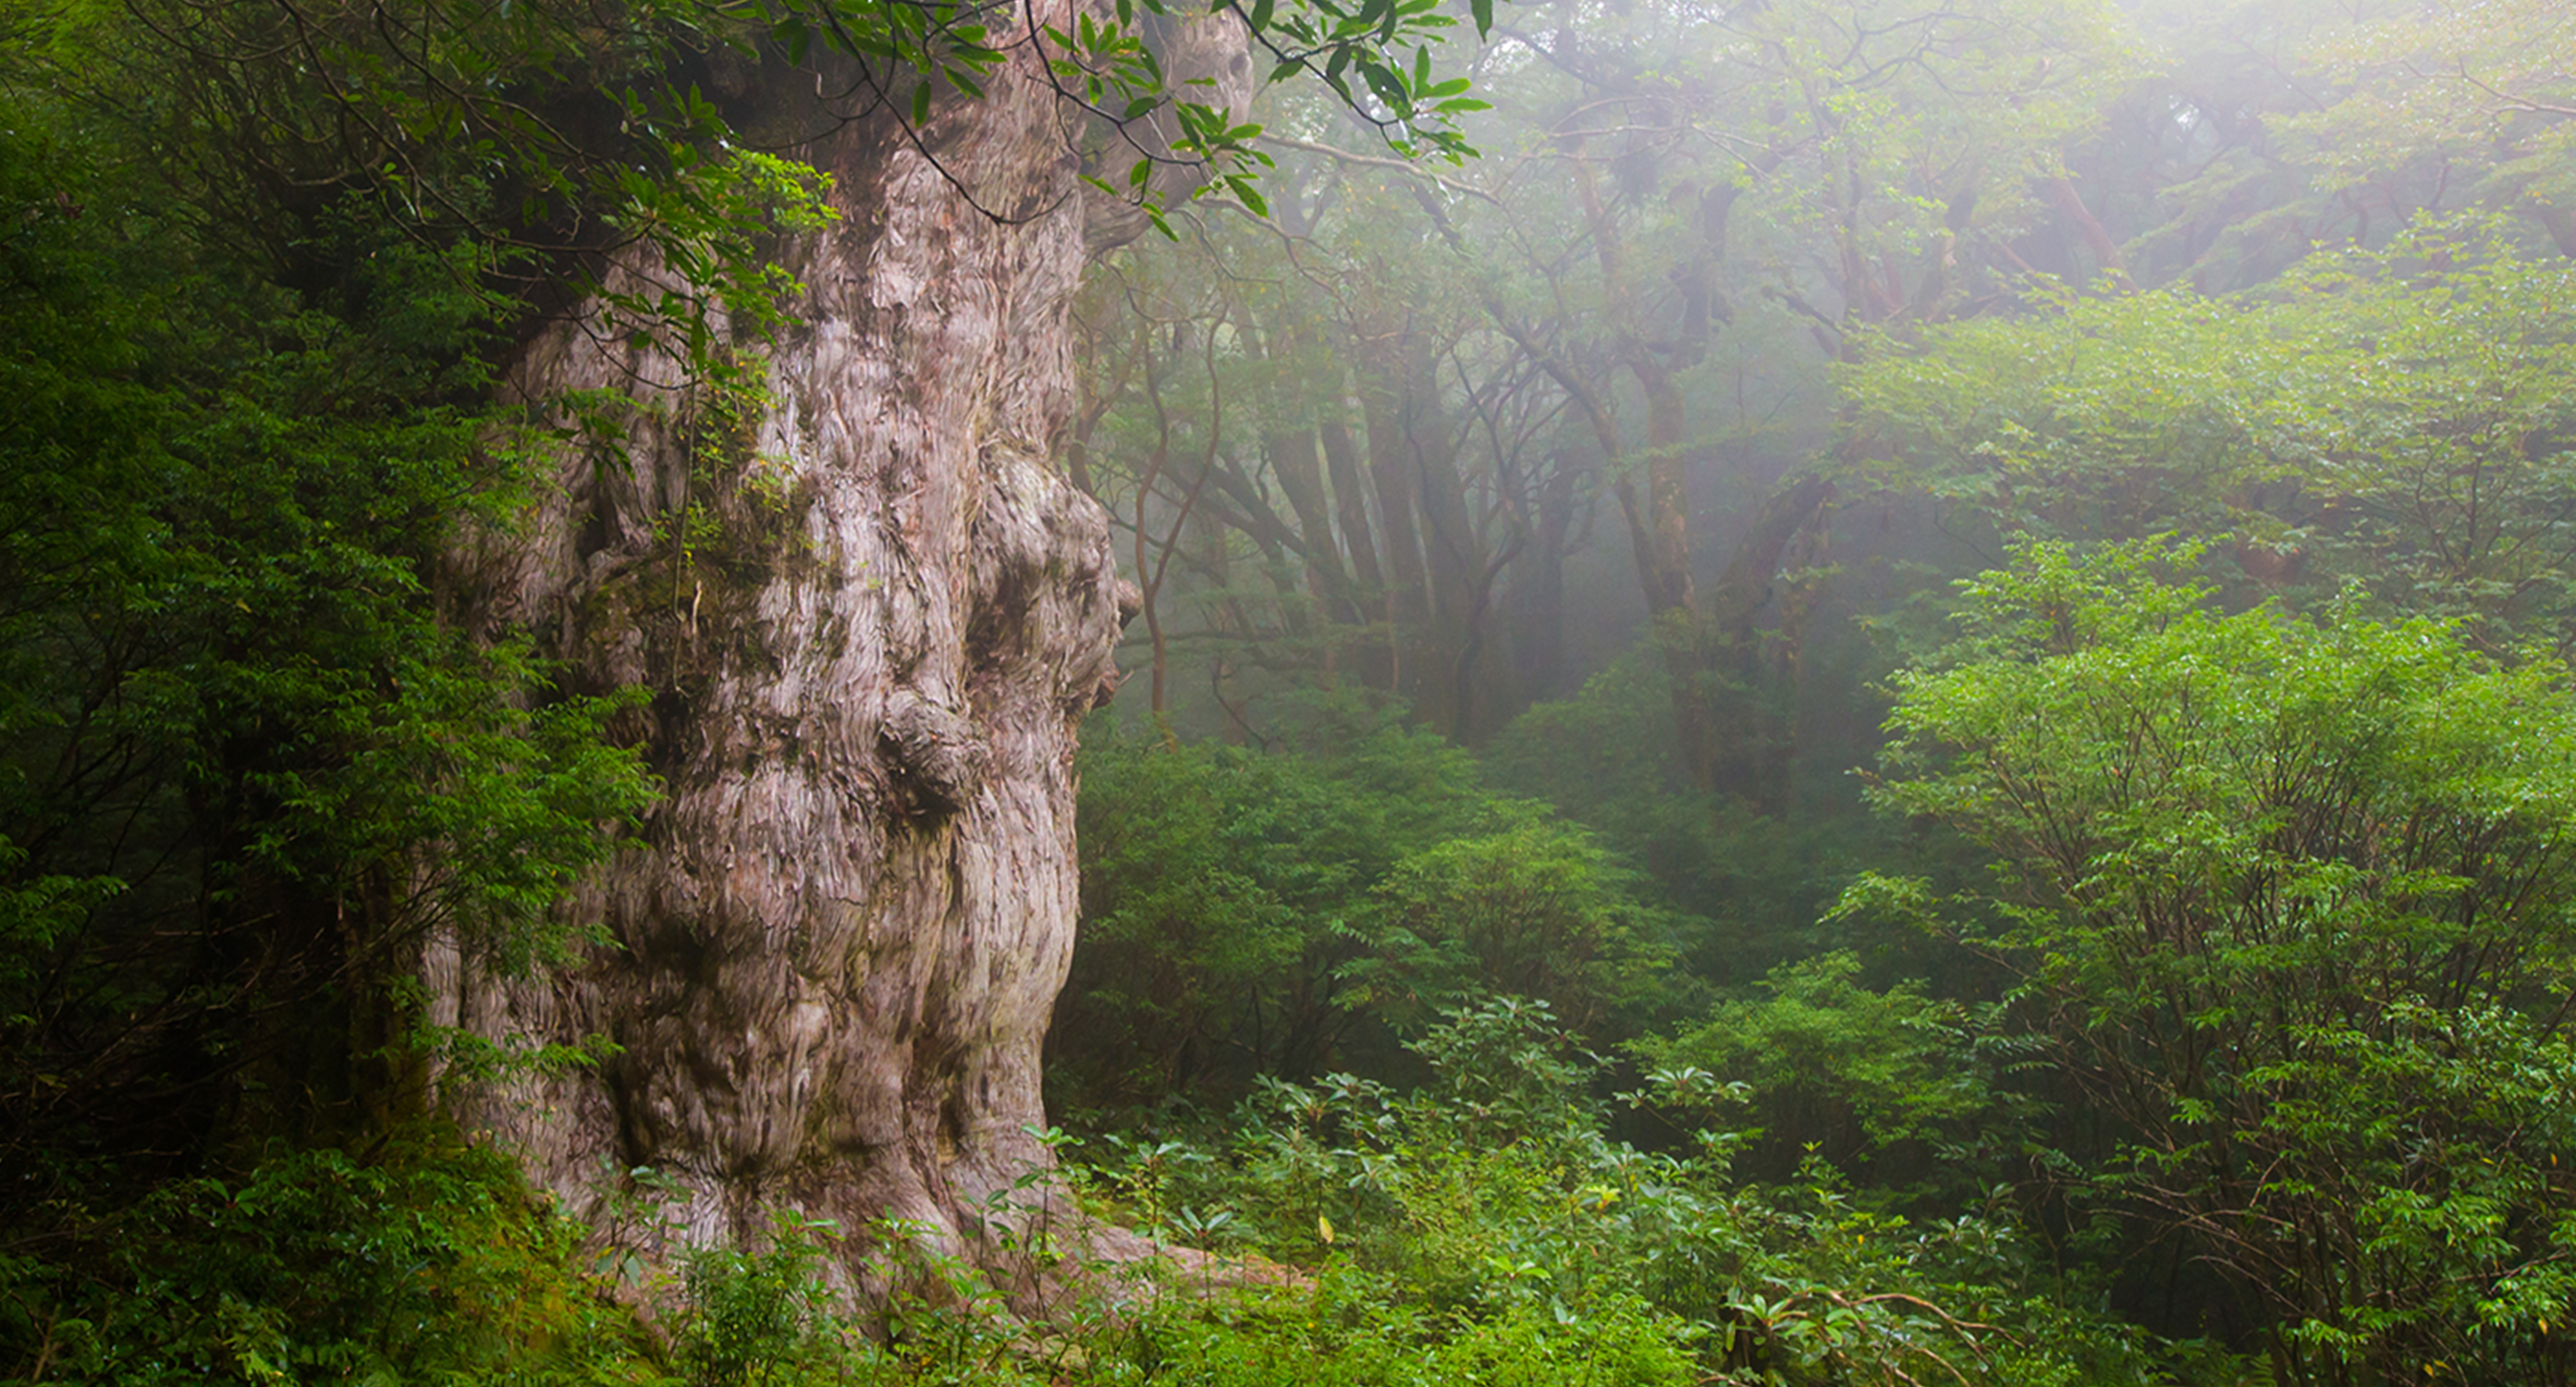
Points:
[(1633, 300), (1256, 916)]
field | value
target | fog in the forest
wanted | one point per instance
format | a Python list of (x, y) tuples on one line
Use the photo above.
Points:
[(1576, 518)]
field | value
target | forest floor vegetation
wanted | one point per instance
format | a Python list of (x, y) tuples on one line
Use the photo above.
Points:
[(1481, 1229)]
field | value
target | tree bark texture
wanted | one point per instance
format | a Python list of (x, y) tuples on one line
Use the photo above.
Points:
[(871, 613)]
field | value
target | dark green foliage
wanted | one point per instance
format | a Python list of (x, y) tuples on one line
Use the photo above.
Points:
[(1605, 758), (1877, 1082), (428, 1263), (1222, 891), (1756, 887), (247, 772), (1250, 913)]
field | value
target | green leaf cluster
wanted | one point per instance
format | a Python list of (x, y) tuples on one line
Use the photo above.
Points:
[(2397, 415), (2288, 899), (1847, 1071)]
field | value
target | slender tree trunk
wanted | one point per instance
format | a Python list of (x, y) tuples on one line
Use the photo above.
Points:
[(1392, 480), (1350, 507), (1289, 441), (1392, 483), (870, 614), (1299, 466), (1535, 602), (1748, 738), (1454, 558)]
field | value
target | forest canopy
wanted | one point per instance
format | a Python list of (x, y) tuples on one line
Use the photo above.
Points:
[(1858, 693)]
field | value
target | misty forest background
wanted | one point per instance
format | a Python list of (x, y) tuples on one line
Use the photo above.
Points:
[(1885, 701)]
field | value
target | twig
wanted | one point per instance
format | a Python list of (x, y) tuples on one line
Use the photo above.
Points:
[(1376, 161)]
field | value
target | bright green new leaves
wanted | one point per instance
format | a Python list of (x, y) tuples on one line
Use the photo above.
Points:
[(2473, 94), (1489, 1227), (2292, 903)]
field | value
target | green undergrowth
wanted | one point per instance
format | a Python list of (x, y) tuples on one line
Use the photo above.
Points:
[(1486, 1228), (422, 1261), (1483, 1229)]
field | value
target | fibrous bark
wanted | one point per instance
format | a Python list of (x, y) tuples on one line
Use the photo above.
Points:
[(870, 613)]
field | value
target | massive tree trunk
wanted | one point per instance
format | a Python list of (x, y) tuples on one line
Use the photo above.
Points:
[(870, 613)]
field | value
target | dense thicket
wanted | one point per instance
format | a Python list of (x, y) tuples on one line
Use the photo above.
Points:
[(249, 771), (1883, 702)]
